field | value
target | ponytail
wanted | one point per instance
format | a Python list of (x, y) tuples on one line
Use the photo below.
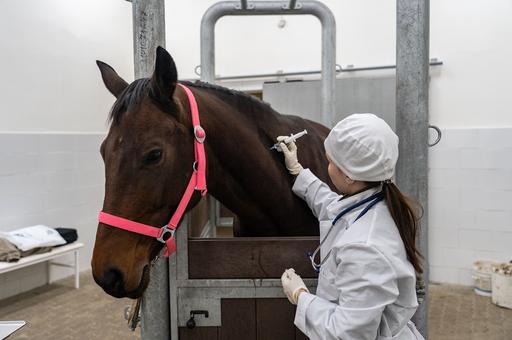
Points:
[(403, 212)]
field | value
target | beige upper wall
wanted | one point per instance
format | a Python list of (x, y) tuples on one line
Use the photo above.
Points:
[(473, 88), (51, 83)]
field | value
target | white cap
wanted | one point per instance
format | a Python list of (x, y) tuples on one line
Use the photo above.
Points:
[(364, 147)]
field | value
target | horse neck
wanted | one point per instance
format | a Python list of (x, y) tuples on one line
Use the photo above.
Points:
[(237, 159)]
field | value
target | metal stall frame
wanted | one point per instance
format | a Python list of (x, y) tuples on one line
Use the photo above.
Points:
[(412, 77), (315, 8), (412, 120), (148, 34), (243, 8)]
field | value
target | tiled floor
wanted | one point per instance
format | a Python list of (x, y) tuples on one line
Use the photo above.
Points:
[(456, 313), (60, 312)]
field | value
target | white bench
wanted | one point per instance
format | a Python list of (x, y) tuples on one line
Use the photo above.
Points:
[(49, 256)]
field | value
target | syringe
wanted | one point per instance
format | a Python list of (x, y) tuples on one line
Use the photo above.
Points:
[(292, 138)]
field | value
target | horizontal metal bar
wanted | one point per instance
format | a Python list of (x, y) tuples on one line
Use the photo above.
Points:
[(383, 67), (236, 8), (225, 222), (339, 69)]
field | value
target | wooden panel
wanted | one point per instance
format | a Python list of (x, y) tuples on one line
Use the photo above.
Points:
[(250, 257), (198, 333), (224, 232), (274, 319), (238, 319)]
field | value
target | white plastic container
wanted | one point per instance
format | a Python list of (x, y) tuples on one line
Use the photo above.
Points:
[(482, 277), (502, 289)]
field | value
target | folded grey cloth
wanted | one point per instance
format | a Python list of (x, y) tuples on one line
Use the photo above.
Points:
[(36, 251), (8, 251)]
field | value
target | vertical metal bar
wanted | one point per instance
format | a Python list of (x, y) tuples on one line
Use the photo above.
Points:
[(148, 33), (328, 64), (48, 272), (77, 270), (207, 51), (207, 43), (412, 78), (178, 270), (155, 303)]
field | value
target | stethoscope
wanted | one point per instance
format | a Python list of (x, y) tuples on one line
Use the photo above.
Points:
[(373, 199)]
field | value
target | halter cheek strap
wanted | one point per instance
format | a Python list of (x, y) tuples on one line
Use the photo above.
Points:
[(197, 181)]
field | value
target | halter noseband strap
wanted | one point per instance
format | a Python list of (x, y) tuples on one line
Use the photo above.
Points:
[(197, 181)]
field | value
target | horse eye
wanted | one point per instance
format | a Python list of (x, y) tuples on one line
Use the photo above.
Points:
[(153, 156)]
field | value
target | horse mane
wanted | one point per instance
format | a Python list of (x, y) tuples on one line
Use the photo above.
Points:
[(231, 95), (133, 94)]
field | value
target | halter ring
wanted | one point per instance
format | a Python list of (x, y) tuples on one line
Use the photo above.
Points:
[(164, 231)]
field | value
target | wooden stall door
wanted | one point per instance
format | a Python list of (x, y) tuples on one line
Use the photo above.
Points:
[(250, 319)]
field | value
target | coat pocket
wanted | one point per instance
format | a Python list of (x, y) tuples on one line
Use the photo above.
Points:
[(409, 332), (327, 280)]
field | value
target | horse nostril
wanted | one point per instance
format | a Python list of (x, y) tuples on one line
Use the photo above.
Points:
[(113, 281)]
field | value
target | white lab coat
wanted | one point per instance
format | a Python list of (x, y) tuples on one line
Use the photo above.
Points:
[(367, 287)]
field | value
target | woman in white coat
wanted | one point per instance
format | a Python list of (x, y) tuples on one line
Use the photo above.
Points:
[(368, 261)]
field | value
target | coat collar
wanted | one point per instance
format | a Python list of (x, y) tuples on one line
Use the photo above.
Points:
[(337, 206)]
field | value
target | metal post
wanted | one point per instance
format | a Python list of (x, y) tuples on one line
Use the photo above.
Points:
[(77, 270), (315, 8), (148, 33), (412, 78)]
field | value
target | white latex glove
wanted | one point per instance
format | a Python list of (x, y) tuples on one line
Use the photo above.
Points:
[(290, 155), (293, 285)]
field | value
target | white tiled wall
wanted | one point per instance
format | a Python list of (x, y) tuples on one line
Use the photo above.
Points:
[(470, 201), (54, 179)]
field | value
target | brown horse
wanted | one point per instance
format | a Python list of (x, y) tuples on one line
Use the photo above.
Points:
[(148, 155)]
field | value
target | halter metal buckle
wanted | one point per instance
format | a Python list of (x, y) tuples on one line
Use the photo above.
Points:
[(165, 230), (199, 133)]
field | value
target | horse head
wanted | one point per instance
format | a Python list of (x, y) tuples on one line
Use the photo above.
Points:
[(148, 155)]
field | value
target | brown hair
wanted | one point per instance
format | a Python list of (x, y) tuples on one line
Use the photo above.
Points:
[(403, 210)]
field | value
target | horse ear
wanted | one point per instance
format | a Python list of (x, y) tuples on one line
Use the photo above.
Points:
[(165, 77), (114, 83)]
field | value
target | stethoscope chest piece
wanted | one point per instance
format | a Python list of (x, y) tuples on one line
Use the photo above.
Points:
[(372, 200)]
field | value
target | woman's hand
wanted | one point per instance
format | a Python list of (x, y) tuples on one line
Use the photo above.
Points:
[(293, 285), (290, 155)]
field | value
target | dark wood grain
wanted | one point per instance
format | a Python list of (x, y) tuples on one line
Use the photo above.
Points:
[(198, 333), (249, 257), (274, 319), (238, 319)]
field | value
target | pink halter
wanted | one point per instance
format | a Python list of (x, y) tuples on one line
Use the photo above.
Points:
[(165, 234)]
